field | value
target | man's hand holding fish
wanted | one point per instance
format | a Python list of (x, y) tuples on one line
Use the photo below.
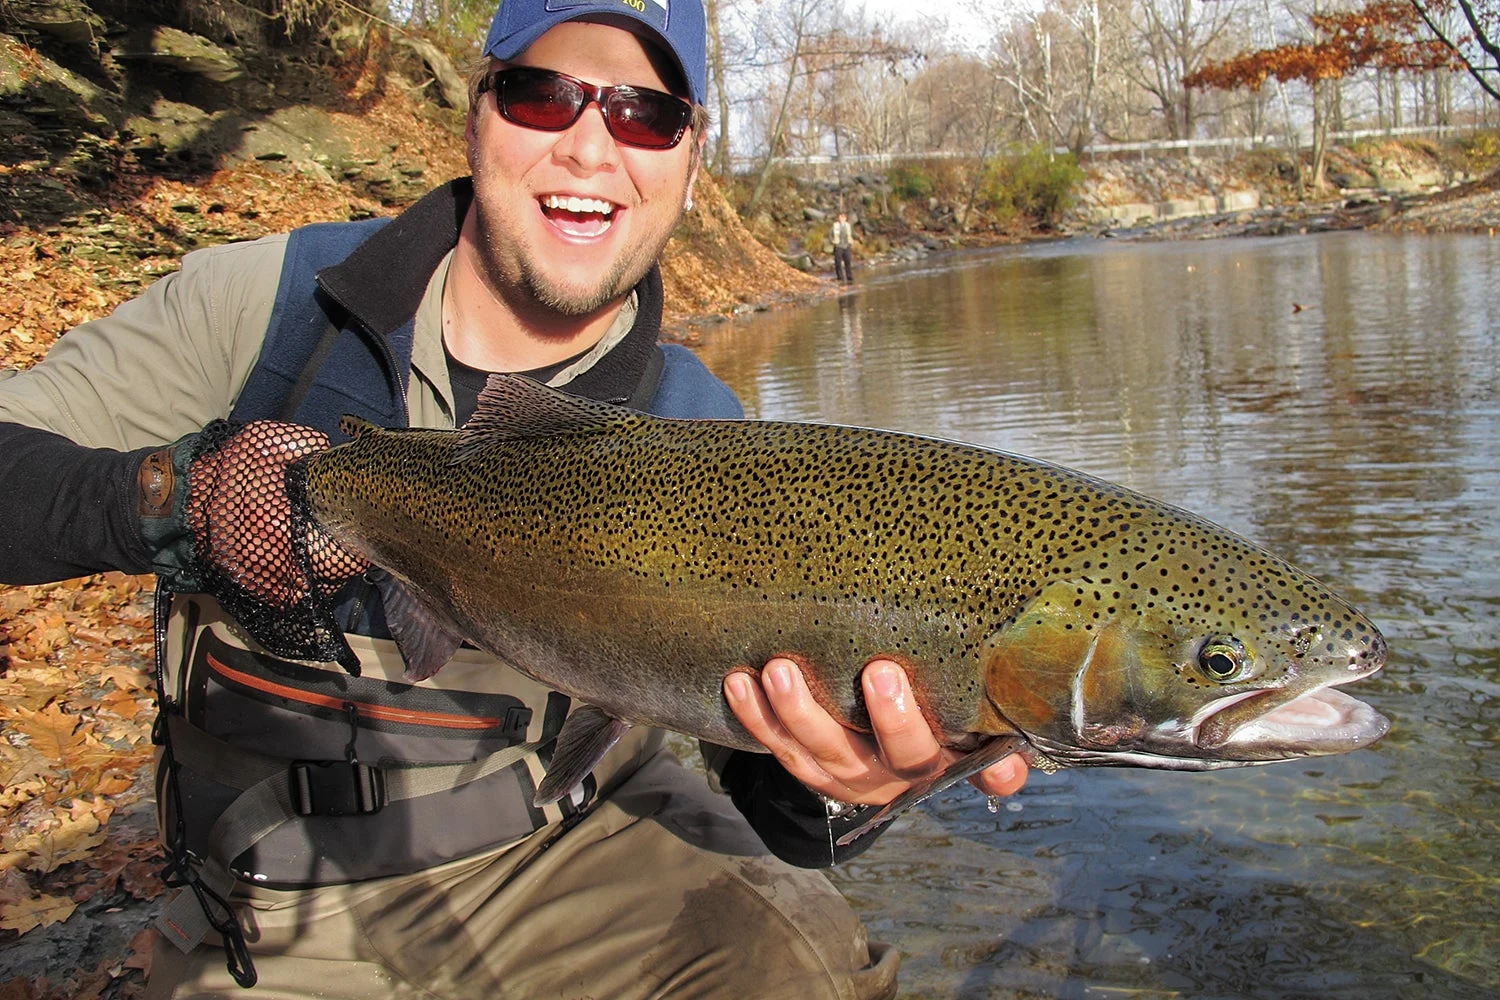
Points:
[(841, 763)]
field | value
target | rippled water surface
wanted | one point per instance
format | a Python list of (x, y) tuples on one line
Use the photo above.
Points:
[(1336, 398)]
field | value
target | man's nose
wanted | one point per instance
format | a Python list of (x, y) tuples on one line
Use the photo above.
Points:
[(587, 142)]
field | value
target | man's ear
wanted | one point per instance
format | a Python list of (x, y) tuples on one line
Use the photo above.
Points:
[(687, 197), (471, 138)]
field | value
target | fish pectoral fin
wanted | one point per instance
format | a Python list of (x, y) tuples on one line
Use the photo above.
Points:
[(992, 752), (585, 738), (426, 642), (512, 407)]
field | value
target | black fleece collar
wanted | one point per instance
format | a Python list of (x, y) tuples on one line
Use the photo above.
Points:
[(382, 282)]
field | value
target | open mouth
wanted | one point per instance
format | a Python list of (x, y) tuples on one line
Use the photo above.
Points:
[(584, 218), (1321, 721)]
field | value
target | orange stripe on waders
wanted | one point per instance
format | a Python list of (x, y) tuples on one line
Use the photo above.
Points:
[(386, 713)]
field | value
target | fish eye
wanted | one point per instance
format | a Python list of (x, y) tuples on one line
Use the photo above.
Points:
[(1223, 658)]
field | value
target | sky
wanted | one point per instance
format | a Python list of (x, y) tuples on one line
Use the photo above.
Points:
[(965, 26)]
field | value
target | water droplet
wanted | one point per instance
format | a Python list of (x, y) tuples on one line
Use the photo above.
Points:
[(993, 802)]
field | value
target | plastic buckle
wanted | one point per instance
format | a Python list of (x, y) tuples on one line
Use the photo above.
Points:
[(336, 788)]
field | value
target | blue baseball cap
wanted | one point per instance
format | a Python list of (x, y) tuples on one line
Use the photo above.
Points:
[(677, 24)]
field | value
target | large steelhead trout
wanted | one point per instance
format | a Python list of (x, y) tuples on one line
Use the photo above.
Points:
[(632, 561)]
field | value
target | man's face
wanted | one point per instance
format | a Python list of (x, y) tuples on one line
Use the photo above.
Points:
[(573, 220)]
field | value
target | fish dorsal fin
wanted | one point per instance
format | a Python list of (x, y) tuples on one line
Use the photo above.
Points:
[(513, 407), (356, 427)]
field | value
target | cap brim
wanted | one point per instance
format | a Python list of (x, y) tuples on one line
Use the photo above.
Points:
[(508, 48)]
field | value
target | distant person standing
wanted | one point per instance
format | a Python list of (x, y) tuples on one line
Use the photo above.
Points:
[(843, 248)]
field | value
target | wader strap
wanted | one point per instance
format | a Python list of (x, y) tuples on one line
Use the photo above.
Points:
[(226, 764), (309, 373), (645, 389), (200, 901), (275, 791)]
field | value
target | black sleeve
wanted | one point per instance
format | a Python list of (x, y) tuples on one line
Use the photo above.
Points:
[(791, 820), (66, 510)]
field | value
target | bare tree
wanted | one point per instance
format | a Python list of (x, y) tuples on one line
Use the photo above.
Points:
[(719, 162), (794, 35), (1087, 19), (812, 41), (1176, 37)]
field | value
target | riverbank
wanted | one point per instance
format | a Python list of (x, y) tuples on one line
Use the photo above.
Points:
[(1473, 207), (1470, 208), (1413, 185)]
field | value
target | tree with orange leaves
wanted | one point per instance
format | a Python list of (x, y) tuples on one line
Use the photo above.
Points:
[(1386, 35)]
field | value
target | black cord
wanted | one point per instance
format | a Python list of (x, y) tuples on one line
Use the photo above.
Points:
[(182, 865)]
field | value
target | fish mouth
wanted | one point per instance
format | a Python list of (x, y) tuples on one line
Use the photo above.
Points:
[(1282, 725)]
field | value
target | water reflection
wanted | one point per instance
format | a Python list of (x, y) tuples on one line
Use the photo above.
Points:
[(1334, 397)]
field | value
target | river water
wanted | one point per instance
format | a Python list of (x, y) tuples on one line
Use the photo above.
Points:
[(1334, 397)]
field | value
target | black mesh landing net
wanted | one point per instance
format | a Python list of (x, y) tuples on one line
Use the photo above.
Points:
[(257, 551)]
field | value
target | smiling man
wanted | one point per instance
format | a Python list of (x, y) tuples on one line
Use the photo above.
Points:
[(335, 830)]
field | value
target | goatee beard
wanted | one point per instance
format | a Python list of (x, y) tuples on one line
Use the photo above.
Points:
[(506, 269), (575, 302)]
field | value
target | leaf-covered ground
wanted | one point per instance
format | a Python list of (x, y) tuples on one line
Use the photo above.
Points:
[(76, 703), (76, 707)]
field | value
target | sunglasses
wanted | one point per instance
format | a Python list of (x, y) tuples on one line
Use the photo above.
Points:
[(551, 101)]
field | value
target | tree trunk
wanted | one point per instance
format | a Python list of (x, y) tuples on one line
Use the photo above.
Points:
[(1090, 28), (990, 112), (450, 81), (721, 168), (1320, 134), (838, 149), (774, 140)]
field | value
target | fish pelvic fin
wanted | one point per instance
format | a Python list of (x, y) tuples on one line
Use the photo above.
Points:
[(992, 752), (585, 738), (512, 408), (426, 642)]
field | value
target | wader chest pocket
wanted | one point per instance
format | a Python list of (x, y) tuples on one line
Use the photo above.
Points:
[(336, 788)]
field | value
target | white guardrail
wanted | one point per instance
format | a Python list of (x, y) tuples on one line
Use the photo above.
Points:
[(1110, 148)]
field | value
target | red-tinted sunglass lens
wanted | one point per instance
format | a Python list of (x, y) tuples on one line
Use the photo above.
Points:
[(539, 100), (650, 120)]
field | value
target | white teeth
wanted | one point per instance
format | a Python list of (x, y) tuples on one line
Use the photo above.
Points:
[(571, 204)]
